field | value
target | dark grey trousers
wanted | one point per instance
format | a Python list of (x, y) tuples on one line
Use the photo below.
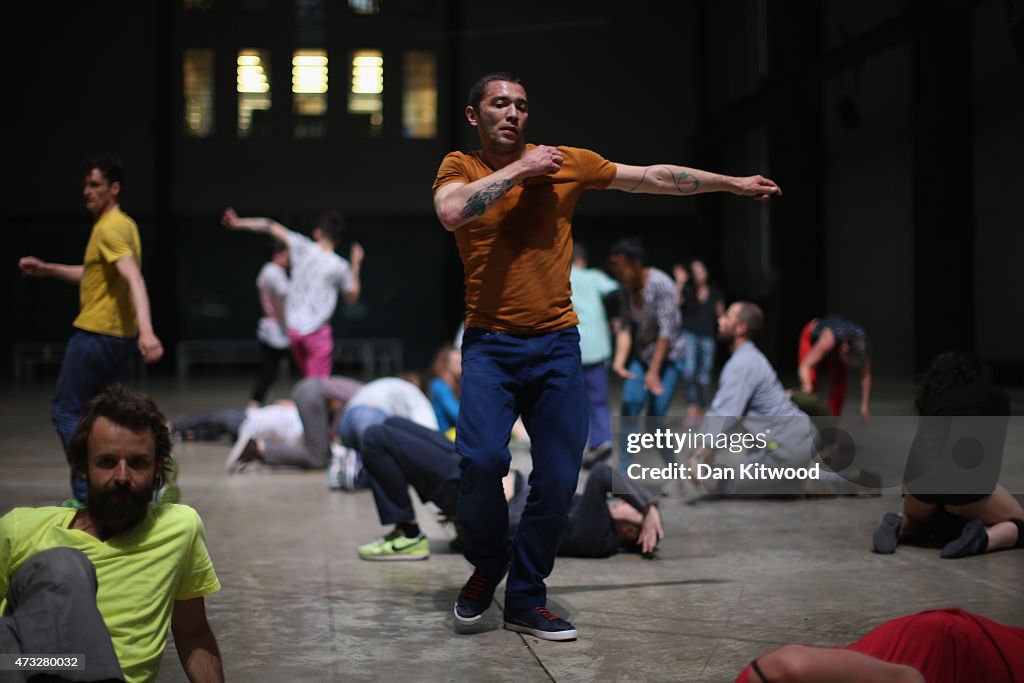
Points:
[(315, 450), (51, 610)]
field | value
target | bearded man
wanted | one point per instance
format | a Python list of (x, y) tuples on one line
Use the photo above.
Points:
[(104, 583)]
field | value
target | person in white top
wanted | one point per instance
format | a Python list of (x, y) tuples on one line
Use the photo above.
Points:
[(271, 333), (318, 273), (383, 398)]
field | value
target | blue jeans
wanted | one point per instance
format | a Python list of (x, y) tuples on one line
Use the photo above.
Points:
[(595, 379), (540, 378), (634, 397), (356, 421), (91, 362), (697, 366)]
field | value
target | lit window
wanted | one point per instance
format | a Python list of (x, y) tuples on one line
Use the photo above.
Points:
[(253, 93), (366, 100), (419, 99), (364, 6), (197, 69), (309, 88)]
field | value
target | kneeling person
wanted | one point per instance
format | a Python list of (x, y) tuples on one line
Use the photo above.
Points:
[(108, 580), (398, 453)]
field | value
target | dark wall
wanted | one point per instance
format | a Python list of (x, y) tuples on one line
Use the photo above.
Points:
[(832, 102)]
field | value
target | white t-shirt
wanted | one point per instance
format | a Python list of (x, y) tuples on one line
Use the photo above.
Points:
[(397, 398), (280, 423), (317, 275), (272, 283)]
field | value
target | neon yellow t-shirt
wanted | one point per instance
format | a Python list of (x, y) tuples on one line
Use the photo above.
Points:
[(140, 573), (105, 300)]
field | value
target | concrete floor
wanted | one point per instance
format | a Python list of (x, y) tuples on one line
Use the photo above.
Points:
[(733, 578)]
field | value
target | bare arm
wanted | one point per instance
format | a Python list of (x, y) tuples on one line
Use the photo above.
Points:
[(149, 345), (826, 342), (355, 257), (680, 180), (197, 647), (681, 277), (266, 226), (459, 203), (33, 267), (865, 389), (623, 344), (652, 380), (802, 664)]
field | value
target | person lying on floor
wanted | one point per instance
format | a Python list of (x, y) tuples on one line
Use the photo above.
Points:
[(937, 646), (398, 453)]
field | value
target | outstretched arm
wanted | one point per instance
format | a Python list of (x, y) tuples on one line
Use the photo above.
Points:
[(149, 345), (194, 640), (680, 180), (33, 267), (266, 226), (459, 203), (802, 664)]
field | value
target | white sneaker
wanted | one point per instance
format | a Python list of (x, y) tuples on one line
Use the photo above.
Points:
[(334, 470), (344, 468)]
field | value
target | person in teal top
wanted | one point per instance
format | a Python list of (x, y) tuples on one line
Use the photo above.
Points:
[(589, 287), (443, 386)]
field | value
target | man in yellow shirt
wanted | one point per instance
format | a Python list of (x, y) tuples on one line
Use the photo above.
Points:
[(114, 305), (105, 582)]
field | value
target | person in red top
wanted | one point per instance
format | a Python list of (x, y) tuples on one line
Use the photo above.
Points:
[(510, 205), (937, 646)]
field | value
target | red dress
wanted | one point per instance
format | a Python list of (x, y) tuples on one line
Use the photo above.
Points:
[(947, 646)]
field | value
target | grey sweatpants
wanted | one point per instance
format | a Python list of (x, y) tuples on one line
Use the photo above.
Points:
[(51, 610), (315, 450)]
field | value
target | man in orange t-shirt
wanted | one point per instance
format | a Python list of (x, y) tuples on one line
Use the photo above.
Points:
[(510, 206)]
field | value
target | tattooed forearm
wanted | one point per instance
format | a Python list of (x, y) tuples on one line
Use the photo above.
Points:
[(686, 183), (641, 181), (482, 200)]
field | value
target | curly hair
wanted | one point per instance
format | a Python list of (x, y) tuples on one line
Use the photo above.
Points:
[(948, 370), (133, 411)]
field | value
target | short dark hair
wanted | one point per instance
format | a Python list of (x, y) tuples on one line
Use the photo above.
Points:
[(275, 248), (111, 168), (476, 93), (578, 251), (631, 248), (752, 316), (858, 347), (133, 411), (331, 224)]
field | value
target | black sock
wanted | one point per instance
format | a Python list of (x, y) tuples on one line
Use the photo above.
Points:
[(410, 530), (1020, 533)]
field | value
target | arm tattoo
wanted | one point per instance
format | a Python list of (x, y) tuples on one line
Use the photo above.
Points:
[(640, 182), (686, 183), (482, 200)]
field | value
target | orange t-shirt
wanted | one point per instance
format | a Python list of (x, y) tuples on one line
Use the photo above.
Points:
[(518, 254)]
